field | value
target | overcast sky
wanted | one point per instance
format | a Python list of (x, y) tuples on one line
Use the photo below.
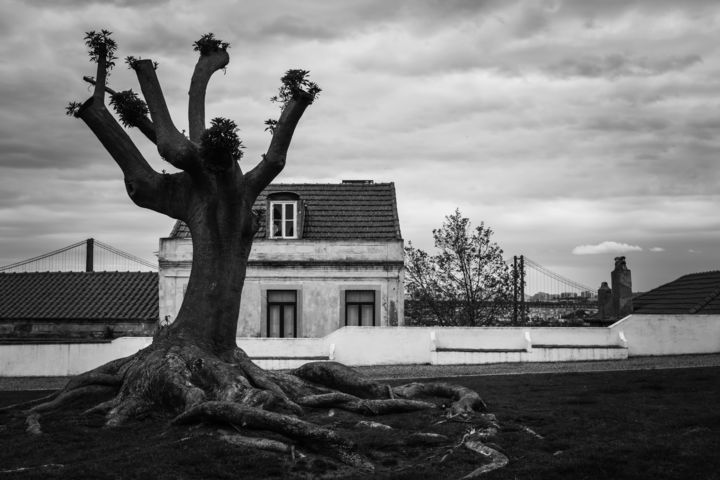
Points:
[(577, 130)]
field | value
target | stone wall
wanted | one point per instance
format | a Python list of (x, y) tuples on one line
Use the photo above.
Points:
[(75, 329)]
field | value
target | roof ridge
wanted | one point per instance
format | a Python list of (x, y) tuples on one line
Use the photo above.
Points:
[(396, 218), (695, 274)]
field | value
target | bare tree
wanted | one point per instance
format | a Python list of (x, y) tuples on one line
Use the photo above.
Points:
[(467, 283), (194, 370)]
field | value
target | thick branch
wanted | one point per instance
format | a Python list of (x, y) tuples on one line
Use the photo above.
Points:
[(206, 65), (99, 90), (144, 124), (147, 188), (172, 145), (274, 160)]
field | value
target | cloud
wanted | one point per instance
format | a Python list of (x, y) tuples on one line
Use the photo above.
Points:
[(605, 247), (550, 120), (619, 65), (657, 249)]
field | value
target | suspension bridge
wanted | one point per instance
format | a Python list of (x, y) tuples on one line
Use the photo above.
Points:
[(85, 256), (540, 293)]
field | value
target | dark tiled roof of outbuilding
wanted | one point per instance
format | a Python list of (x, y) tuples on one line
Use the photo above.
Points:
[(694, 293), (337, 211), (79, 296)]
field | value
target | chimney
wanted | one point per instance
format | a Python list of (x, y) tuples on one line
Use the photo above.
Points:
[(605, 301), (89, 250), (621, 289)]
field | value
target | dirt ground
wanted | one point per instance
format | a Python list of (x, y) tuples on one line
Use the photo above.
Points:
[(647, 424)]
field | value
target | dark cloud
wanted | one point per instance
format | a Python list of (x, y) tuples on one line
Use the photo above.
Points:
[(295, 26), (80, 4), (620, 65), (626, 124)]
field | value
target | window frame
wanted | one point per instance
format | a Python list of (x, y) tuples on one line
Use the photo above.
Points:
[(359, 305), (281, 326), (283, 220)]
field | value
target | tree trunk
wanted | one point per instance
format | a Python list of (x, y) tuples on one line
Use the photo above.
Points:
[(222, 237)]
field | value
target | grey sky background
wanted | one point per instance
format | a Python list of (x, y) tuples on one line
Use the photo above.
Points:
[(577, 130)]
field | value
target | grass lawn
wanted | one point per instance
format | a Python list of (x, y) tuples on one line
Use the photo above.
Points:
[(651, 424)]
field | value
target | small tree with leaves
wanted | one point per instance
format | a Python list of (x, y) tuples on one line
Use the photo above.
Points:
[(194, 371), (467, 283)]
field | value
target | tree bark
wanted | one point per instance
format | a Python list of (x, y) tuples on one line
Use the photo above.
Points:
[(222, 226)]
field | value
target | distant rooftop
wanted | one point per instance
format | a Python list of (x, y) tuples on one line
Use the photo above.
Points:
[(77, 296), (697, 293), (353, 209)]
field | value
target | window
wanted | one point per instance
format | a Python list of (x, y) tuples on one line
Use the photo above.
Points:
[(360, 308), (283, 219), (281, 313)]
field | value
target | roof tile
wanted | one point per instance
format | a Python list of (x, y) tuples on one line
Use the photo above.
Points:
[(335, 211), (694, 293), (79, 296)]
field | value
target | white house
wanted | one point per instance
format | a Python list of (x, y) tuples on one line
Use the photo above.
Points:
[(327, 256)]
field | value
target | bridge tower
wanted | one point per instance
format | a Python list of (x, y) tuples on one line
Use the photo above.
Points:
[(518, 289)]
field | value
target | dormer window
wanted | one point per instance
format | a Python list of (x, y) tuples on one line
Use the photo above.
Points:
[(283, 219)]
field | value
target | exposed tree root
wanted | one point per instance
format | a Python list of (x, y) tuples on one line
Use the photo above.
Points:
[(314, 436), (70, 396), (30, 403), (33, 424), (497, 459), (465, 400), (190, 384), (354, 404), (48, 466), (259, 443)]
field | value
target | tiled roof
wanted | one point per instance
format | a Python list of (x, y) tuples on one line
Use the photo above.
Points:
[(79, 296), (695, 293), (336, 211)]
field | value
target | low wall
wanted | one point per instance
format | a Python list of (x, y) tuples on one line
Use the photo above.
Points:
[(581, 336), (62, 359), (632, 336), (380, 346), (670, 334)]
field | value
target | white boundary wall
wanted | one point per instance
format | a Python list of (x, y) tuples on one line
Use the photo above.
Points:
[(670, 334), (62, 359), (632, 336)]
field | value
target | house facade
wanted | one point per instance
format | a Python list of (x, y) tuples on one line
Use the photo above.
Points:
[(325, 256)]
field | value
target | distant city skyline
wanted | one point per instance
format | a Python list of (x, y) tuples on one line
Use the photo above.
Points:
[(578, 131)]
